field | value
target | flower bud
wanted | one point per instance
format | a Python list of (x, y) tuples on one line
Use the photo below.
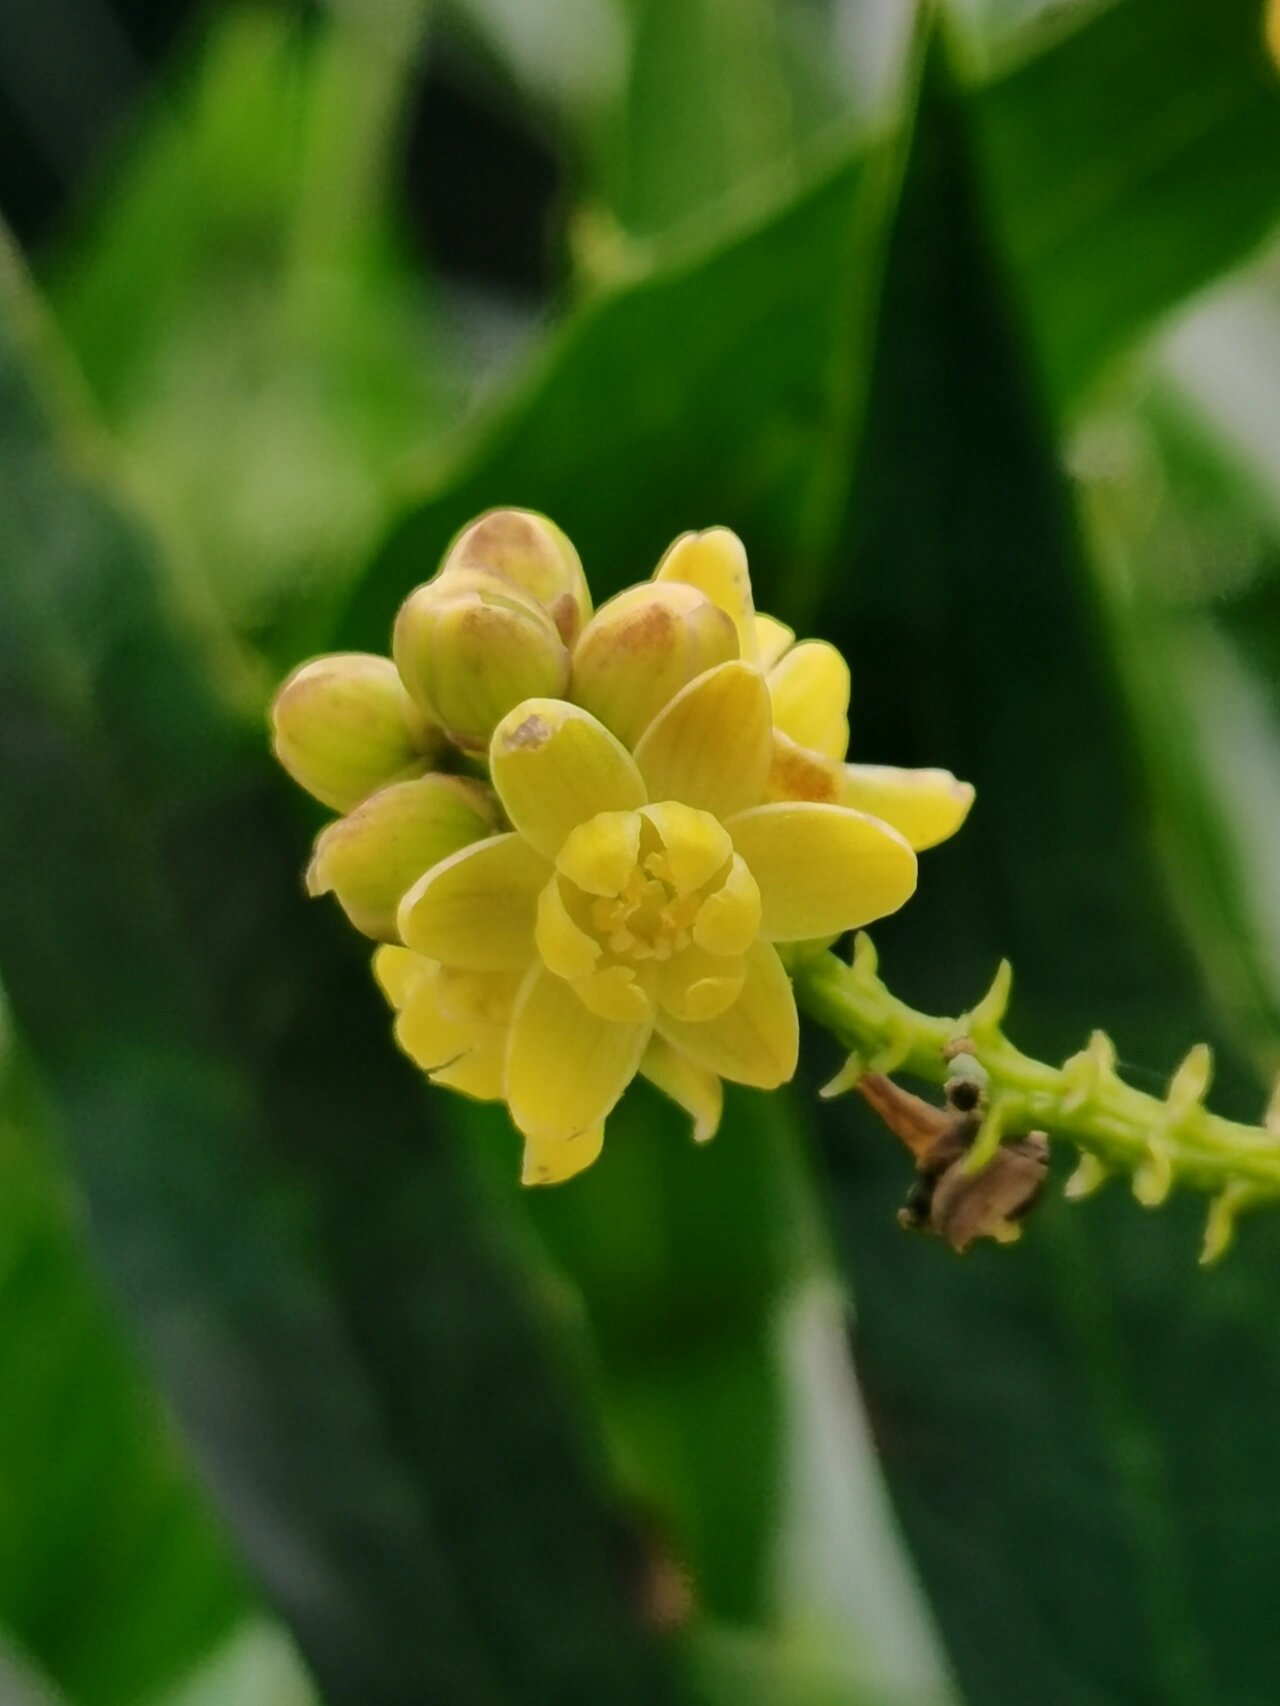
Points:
[(370, 859), (642, 647), (469, 648), (344, 725), (531, 554)]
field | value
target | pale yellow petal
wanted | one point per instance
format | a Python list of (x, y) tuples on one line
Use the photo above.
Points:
[(621, 993), (690, 1086), (566, 1066), (711, 746), (369, 859), (477, 997), (477, 909), (729, 920), (773, 638), (695, 845), (810, 691), (925, 806), (599, 855), (755, 1041), (695, 985), (555, 766), (822, 868), (552, 1162), (398, 972), (565, 948), (460, 1054), (716, 563), (796, 773)]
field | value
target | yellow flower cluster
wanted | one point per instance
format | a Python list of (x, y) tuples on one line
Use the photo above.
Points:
[(582, 838)]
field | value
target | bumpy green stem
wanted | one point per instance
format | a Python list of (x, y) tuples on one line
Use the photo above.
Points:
[(1157, 1143)]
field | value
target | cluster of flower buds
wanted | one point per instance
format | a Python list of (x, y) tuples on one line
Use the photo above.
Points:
[(582, 838)]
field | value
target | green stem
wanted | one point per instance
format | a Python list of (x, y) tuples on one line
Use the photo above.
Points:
[(1158, 1143)]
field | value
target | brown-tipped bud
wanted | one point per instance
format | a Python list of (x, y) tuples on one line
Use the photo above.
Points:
[(642, 647), (531, 554), (469, 648), (344, 725), (370, 859)]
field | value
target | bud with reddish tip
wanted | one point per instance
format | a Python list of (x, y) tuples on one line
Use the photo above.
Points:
[(469, 646), (532, 555), (344, 725), (642, 647)]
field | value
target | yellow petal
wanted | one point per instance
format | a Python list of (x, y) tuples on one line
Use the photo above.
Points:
[(773, 638), (620, 993), (372, 857), (695, 845), (796, 773), (460, 1054), (642, 647), (810, 692), (343, 726), (711, 746), (822, 868), (398, 972), (551, 1163), (566, 1066), (925, 806), (690, 1086), (477, 909), (729, 920), (601, 854), (696, 985), (477, 997), (565, 948), (716, 563), (756, 1040), (555, 766)]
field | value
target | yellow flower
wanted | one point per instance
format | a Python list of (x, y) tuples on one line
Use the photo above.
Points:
[(641, 898), (667, 804)]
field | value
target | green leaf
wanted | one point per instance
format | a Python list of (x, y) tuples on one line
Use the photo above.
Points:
[(113, 1573), (1044, 1423), (1129, 163), (340, 1327), (238, 297)]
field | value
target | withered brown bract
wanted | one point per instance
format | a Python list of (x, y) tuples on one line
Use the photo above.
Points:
[(945, 1199)]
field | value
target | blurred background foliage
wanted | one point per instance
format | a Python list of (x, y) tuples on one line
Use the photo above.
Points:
[(967, 318)]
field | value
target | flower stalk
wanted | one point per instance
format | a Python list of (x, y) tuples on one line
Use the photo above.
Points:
[(1158, 1143)]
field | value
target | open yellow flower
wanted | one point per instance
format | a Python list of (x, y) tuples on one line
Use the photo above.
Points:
[(639, 898)]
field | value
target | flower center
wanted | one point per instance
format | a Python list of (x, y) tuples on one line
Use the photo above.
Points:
[(642, 898)]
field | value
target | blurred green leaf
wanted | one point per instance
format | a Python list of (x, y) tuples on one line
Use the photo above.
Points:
[(341, 1330), (1076, 1433), (1130, 162), (112, 1571), (709, 102), (256, 1667), (239, 299)]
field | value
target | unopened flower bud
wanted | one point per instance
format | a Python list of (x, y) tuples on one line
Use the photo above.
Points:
[(370, 859), (344, 725), (531, 554), (469, 648), (642, 647)]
